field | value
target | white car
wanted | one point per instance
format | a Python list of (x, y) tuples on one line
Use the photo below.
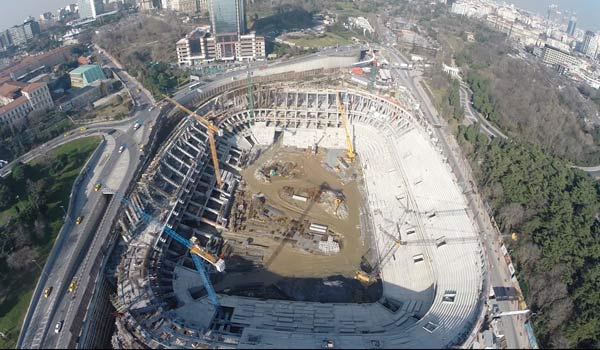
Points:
[(121, 149), (58, 327)]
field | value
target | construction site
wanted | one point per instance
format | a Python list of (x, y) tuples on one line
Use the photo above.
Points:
[(298, 210)]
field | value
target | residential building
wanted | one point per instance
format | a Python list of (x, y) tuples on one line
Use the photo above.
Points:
[(21, 34), (251, 47), (199, 46), (471, 8), (589, 45), (149, 4), (18, 99), (193, 49), (90, 8), (85, 75), (227, 39), (32, 65), (554, 56), (5, 41), (571, 26), (189, 6)]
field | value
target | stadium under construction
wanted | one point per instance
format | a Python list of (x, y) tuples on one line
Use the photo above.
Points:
[(325, 214)]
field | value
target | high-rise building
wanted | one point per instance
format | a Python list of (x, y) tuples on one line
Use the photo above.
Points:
[(31, 28), (571, 26), (90, 8), (5, 41), (228, 20), (22, 33), (188, 6), (587, 45)]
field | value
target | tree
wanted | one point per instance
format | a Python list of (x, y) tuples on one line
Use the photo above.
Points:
[(5, 195), (22, 258), (20, 171), (37, 194), (118, 100)]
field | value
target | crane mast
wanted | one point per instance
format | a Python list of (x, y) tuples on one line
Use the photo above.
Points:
[(198, 253), (350, 149)]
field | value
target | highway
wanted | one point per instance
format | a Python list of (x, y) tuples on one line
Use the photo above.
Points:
[(67, 261), (70, 258), (466, 96), (511, 327)]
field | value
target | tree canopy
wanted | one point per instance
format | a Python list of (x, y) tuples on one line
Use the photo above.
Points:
[(554, 210)]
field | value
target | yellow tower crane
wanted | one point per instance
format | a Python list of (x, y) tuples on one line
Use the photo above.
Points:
[(212, 129), (350, 151)]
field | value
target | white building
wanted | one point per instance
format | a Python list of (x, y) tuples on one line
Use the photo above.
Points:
[(454, 72), (17, 100), (199, 46), (554, 56), (188, 6), (471, 8), (362, 23)]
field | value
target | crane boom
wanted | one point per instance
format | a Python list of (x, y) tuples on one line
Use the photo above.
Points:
[(195, 250), (350, 149), (211, 137)]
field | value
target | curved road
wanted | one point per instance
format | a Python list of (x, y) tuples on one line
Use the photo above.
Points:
[(70, 257), (72, 246)]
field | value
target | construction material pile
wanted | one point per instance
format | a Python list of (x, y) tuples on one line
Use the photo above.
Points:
[(276, 168)]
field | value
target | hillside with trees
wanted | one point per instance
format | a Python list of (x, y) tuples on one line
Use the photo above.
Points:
[(527, 100), (553, 208), (145, 46), (527, 180)]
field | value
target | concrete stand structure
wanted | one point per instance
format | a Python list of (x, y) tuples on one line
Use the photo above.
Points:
[(432, 292)]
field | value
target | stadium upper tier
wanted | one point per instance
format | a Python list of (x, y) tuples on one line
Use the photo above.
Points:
[(432, 286)]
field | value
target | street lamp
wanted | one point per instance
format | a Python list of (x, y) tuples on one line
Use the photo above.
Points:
[(41, 269), (65, 212)]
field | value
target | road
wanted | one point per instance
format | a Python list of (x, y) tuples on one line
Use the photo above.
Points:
[(511, 327), (70, 258), (466, 96), (67, 261)]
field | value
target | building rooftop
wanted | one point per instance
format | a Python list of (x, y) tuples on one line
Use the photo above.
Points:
[(9, 89), (13, 104), (83, 69), (32, 86)]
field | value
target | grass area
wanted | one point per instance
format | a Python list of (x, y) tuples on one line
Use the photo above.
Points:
[(16, 289), (327, 39)]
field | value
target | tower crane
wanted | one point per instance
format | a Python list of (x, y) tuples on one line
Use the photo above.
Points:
[(212, 129), (198, 253), (396, 244), (373, 70), (250, 95), (441, 240), (350, 149)]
